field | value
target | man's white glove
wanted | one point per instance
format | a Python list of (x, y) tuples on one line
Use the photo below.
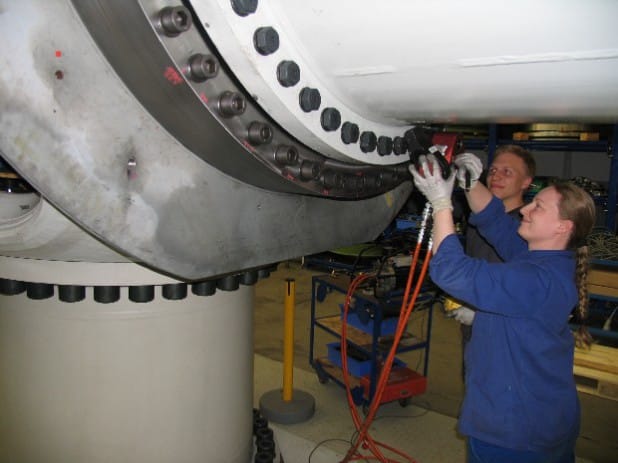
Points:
[(468, 163), (464, 315), (431, 183)]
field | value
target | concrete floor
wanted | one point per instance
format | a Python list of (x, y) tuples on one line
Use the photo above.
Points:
[(426, 429)]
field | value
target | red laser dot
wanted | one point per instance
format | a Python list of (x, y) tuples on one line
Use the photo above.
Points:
[(58, 53)]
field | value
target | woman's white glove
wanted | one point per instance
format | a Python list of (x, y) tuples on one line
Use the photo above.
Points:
[(431, 183), (464, 315), (470, 164)]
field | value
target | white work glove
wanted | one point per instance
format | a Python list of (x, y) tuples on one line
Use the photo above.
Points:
[(437, 190), (463, 315), (468, 163)]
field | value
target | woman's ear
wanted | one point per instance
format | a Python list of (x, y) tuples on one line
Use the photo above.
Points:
[(566, 227)]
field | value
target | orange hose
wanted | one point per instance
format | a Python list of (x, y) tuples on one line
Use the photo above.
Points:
[(406, 309)]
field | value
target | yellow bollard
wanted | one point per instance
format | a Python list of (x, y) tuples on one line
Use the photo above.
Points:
[(287, 405), (288, 339)]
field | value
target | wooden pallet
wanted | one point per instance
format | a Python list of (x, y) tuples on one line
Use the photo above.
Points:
[(603, 280), (540, 136), (596, 371)]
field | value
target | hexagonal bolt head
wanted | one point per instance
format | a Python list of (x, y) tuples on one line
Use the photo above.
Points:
[(266, 40), (175, 20), (288, 73), (202, 67), (385, 146), (353, 183), (309, 171), (400, 146), (349, 133), (244, 7), (286, 155), (330, 119), (332, 179), (309, 99), (231, 104), (259, 133), (368, 142)]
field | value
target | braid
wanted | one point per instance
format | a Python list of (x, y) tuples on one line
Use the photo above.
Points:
[(577, 206), (582, 336)]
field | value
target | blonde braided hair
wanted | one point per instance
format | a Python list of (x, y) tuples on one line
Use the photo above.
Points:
[(577, 206)]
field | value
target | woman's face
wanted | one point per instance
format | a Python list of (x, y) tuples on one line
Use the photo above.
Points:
[(541, 225)]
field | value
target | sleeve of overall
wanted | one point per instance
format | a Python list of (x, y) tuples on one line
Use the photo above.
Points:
[(513, 289), (499, 229)]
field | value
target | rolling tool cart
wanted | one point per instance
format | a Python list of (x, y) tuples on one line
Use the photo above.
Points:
[(371, 324)]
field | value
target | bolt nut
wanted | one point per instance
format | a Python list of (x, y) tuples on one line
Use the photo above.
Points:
[(286, 155), (202, 67), (349, 133), (310, 99), (368, 142), (309, 171), (288, 73), (175, 20), (266, 40), (231, 104), (259, 133), (332, 179), (330, 119), (354, 183), (385, 146), (244, 7), (400, 146)]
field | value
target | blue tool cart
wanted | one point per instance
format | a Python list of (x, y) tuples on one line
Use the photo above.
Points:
[(371, 325)]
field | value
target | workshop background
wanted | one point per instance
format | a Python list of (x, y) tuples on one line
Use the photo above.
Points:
[(158, 158), (595, 170)]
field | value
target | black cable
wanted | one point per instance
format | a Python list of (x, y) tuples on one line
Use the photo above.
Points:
[(319, 444)]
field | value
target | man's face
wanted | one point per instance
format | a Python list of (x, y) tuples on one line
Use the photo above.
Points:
[(507, 177)]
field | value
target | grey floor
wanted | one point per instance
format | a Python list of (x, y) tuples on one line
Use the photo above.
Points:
[(426, 429)]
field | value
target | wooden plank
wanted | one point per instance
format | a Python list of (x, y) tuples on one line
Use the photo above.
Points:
[(336, 372), (593, 373), (600, 358), (595, 382), (520, 136), (596, 371), (603, 277), (354, 335), (589, 136), (362, 339), (602, 290)]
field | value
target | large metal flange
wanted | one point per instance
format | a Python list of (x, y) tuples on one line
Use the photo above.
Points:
[(165, 54)]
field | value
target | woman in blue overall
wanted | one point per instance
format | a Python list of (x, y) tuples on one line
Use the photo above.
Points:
[(520, 403)]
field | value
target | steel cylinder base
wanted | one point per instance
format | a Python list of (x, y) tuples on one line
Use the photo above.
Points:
[(126, 382)]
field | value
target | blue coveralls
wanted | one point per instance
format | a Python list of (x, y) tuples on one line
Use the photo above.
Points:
[(520, 390)]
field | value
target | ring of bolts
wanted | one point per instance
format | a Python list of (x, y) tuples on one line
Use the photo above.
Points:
[(294, 162)]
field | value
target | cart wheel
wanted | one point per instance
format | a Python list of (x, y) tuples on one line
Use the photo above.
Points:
[(322, 375), (404, 402)]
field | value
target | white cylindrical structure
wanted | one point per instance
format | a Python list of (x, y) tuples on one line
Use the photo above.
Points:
[(138, 368), (386, 65), (126, 382)]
